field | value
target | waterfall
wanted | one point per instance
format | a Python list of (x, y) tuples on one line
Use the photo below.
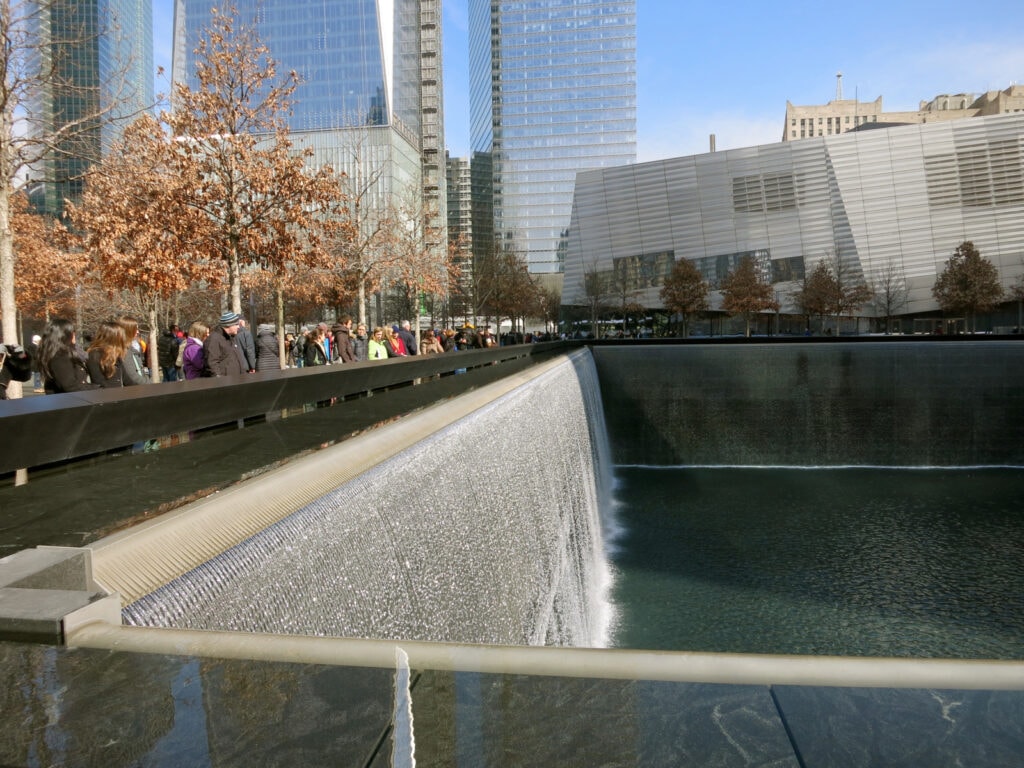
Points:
[(488, 531)]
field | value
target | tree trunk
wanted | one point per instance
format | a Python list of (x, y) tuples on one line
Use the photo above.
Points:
[(235, 282), (9, 325), (152, 352), (279, 300)]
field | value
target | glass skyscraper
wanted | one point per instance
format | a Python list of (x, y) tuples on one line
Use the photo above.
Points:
[(369, 98), (552, 92), (99, 59)]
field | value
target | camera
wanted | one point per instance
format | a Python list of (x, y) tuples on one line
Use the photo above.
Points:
[(15, 365)]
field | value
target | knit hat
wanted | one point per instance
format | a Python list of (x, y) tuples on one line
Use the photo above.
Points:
[(229, 318)]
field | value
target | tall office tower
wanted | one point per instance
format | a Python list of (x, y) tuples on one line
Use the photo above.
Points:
[(369, 98), (552, 92), (460, 230), (96, 60)]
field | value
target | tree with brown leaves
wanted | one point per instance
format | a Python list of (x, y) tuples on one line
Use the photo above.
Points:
[(685, 292), (35, 68), (138, 228), (266, 208), (46, 269), (969, 283), (746, 292)]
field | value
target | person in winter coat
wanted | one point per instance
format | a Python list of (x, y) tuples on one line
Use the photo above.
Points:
[(315, 353), (134, 357), (408, 338), (105, 362), (360, 343), (247, 344), (60, 363), (224, 356), (343, 349), (193, 357), (268, 356), (377, 348), (167, 352), (394, 344), (430, 344)]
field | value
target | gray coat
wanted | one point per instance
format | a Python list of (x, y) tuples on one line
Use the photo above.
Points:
[(267, 355)]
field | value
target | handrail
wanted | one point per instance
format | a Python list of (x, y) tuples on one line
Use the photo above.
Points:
[(37, 431)]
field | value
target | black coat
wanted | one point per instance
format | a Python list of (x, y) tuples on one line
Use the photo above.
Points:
[(67, 374), (223, 355)]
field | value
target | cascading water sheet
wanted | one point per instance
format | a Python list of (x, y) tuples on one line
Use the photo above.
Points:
[(489, 531)]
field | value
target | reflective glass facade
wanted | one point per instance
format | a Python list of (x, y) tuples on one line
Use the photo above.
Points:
[(552, 92), (890, 202), (337, 49), (369, 82), (101, 53)]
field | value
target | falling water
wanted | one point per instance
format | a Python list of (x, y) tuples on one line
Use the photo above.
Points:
[(489, 531)]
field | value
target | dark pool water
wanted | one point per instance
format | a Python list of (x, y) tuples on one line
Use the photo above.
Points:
[(858, 561)]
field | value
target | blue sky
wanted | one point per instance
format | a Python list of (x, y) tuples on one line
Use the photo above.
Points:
[(729, 69)]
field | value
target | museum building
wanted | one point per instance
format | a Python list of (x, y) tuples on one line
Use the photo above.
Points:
[(889, 205)]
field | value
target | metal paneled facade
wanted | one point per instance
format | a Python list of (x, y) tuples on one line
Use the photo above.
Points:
[(888, 202), (552, 92)]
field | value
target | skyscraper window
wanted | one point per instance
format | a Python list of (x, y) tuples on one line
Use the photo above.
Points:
[(552, 92)]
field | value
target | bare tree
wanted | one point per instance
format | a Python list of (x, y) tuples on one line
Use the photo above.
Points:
[(891, 293), (422, 268), (852, 292), (595, 293), (1016, 292), (362, 249)]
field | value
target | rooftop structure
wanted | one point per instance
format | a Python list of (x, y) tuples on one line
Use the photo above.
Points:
[(842, 115)]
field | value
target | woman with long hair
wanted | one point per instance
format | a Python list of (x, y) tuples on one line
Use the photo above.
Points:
[(430, 344), (60, 363), (395, 346), (105, 362), (134, 363), (377, 347), (315, 354), (193, 356)]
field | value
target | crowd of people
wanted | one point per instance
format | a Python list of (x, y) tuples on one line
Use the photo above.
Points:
[(115, 355)]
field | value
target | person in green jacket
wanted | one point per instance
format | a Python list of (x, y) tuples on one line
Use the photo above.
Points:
[(377, 349)]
